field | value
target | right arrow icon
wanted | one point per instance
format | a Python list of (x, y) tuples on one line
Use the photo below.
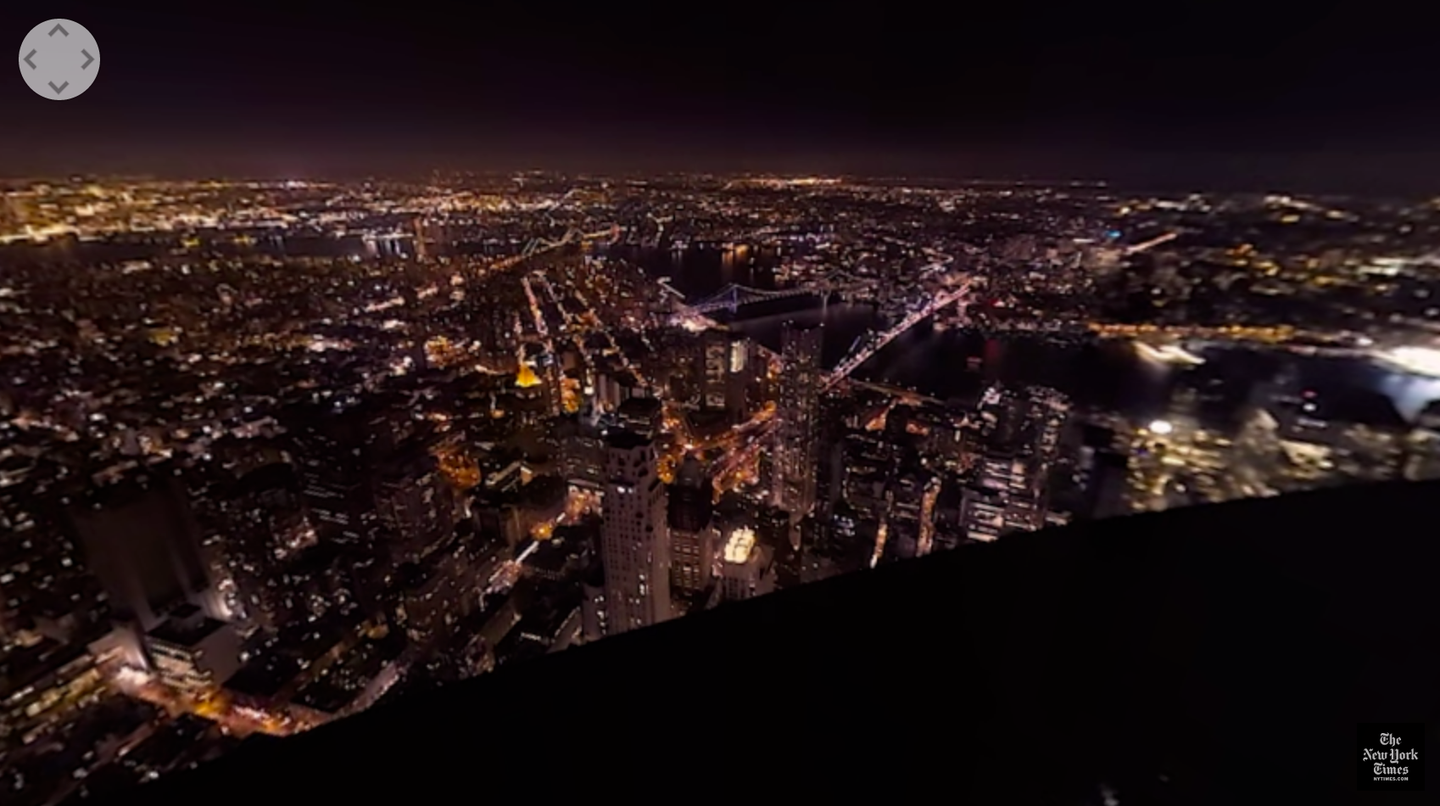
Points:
[(88, 59)]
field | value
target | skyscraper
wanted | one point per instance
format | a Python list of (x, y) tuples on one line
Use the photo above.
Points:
[(141, 539), (422, 252), (415, 503), (693, 537), (335, 455), (796, 454), (723, 372), (745, 567), (715, 365), (634, 541)]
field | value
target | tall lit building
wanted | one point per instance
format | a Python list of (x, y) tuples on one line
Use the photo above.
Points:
[(582, 452), (725, 371), (422, 251), (741, 370), (988, 513), (782, 538), (335, 456), (192, 651), (745, 567), (641, 415), (715, 365), (634, 541), (693, 537), (798, 437), (415, 503), (1019, 434)]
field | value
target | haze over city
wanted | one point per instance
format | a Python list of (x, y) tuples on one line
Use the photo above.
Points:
[(1230, 96)]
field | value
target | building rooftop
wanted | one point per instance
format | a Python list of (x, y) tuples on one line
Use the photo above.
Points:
[(22, 666), (186, 626), (339, 685), (739, 546), (623, 439), (264, 676)]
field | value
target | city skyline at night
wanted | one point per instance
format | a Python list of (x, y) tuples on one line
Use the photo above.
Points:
[(1009, 402)]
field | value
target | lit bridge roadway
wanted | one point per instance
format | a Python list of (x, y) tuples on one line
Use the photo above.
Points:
[(867, 349), (541, 246), (735, 296)]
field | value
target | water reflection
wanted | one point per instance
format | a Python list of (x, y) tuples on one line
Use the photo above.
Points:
[(1410, 393)]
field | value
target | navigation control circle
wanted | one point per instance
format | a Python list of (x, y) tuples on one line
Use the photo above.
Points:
[(59, 59)]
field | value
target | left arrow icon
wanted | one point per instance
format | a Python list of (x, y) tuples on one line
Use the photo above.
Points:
[(28, 57)]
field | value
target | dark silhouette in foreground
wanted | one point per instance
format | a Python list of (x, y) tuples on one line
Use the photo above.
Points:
[(1213, 654)]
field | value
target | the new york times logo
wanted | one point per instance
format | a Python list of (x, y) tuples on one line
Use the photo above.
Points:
[(1387, 764), (1390, 756)]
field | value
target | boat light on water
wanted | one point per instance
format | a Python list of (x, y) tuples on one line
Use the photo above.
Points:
[(1168, 354)]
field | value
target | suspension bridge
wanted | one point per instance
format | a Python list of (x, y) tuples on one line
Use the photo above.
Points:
[(866, 348), (537, 247), (735, 296)]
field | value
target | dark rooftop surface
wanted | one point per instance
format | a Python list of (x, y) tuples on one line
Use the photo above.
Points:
[(624, 439), (265, 675), (185, 628), (339, 685), (1218, 654), (640, 407), (22, 666)]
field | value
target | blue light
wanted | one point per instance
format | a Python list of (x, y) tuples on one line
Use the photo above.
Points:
[(1114, 233)]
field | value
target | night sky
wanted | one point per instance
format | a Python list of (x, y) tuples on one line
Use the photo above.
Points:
[(1334, 96)]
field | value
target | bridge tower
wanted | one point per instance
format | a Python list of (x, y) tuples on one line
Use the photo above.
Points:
[(422, 254)]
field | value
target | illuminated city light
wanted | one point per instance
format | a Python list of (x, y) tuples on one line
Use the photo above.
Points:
[(1415, 360), (1162, 427), (131, 676), (526, 378), (739, 546), (1168, 354)]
